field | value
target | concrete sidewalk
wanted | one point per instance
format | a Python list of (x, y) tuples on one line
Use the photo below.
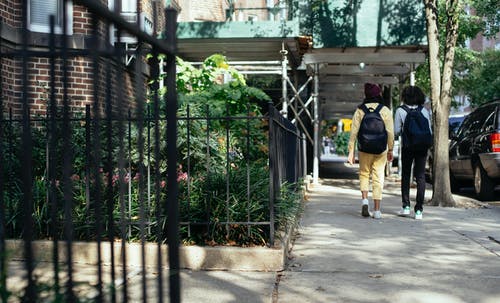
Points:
[(451, 256)]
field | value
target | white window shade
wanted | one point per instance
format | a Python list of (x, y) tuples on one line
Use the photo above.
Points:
[(39, 12), (128, 6)]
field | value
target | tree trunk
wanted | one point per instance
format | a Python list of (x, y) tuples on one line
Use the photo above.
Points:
[(441, 95)]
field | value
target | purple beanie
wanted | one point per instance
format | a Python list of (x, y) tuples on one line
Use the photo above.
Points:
[(372, 90)]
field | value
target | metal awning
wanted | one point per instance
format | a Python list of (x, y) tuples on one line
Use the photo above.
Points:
[(241, 49), (343, 72), (337, 74)]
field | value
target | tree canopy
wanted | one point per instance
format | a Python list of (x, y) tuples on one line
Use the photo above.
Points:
[(475, 73), (482, 82)]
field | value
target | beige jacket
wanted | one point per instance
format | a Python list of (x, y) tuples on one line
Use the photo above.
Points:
[(386, 115)]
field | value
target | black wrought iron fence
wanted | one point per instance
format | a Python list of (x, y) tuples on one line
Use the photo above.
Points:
[(224, 168), (121, 172), (287, 157), (231, 172), (37, 192)]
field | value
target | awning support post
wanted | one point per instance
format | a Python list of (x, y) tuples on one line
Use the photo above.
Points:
[(316, 126), (284, 78), (412, 75)]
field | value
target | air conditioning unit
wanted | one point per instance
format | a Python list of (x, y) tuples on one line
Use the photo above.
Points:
[(127, 41), (146, 25)]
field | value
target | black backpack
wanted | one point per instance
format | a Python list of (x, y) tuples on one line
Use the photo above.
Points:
[(416, 132), (372, 136)]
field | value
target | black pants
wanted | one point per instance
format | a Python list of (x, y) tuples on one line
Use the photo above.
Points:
[(408, 158)]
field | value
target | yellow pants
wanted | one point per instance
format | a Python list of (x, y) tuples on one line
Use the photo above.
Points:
[(374, 165)]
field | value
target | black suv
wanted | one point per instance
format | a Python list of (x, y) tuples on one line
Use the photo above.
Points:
[(475, 151)]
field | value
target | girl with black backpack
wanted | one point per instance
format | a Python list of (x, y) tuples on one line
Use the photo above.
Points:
[(372, 127), (413, 121)]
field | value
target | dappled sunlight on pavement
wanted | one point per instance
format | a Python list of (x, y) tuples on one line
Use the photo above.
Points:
[(339, 256)]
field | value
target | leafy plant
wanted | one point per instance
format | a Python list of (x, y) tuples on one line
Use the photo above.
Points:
[(342, 142)]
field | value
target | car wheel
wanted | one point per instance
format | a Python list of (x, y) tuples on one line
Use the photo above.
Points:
[(483, 185)]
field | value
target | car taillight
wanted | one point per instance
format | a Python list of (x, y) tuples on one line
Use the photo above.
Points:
[(495, 142)]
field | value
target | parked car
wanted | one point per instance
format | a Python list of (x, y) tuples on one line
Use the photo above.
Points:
[(454, 122), (475, 151)]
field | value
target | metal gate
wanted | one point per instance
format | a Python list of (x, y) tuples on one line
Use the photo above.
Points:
[(93, 165), (105, 169)]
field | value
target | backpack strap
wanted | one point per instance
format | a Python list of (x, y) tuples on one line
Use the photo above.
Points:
[(408, 109), (405, 107), (379, 108), (363, 107)]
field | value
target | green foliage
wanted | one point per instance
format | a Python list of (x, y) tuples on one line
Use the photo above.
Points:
[(468, 64), (342, 142), (209, 199), (289, 205), (483, 81), (489, 10), (218, 148), (264, 81), (212, 72), (217, 101)]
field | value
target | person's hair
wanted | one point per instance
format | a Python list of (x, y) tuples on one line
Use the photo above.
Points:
[(413, 95)]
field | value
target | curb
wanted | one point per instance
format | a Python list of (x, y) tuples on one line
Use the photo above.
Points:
[(190, 257)]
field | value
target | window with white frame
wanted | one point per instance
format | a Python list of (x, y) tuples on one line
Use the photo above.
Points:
[(127, 6), (129, 12), (40, 10)]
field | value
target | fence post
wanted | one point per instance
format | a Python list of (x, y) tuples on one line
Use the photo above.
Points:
[(87, 166), (52, 137), (26, 168), (172, 197), (3, 271), (272, 159)]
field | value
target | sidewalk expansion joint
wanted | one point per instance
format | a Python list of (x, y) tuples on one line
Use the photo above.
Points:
[(485, 241), (493, 239)]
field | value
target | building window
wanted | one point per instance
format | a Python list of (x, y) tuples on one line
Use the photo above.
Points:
[(128, 11), (127, 6), (129, 14), (40, 10)]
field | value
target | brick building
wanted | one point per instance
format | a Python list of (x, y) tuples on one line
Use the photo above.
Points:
[(480, 42), (238, 10), (80, 71)]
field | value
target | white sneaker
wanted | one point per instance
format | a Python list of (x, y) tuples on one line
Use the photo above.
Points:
[(404, 211), (364, 208), (377, 214), (418, 215)]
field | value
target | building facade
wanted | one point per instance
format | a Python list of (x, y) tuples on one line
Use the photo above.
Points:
[(80, 69), (237, 10)]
